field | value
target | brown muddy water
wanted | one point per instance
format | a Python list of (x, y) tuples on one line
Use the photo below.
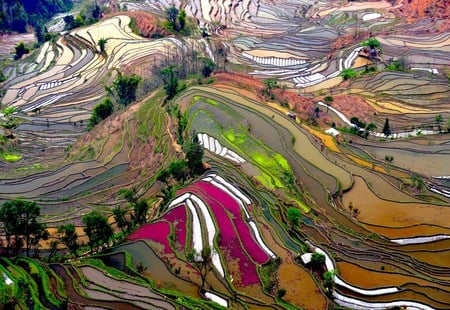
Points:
[(7, 42)]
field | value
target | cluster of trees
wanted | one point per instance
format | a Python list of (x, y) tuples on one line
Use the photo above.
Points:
[(138, 216), (18, 15), (123, 88), (361, 129), (97, 228), (348, 74), (171, 74), (294, 216), (181, 169), (397, 65), (189, 166), (21, 226), (270, 84), (176, 20), (90, 14), (23, 230)]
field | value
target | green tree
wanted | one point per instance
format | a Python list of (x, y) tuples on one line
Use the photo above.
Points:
[(69, 22), (20, 220), (328, 281), (96, 12), (97, 229), (182, 123), (194, 157), (170, 81), (179, 169), (19, 19), (68, 235), (100, 112), (372, 43), (418, 182), (317, 260), (371, 127), (163, 175), (102, 44), (270, 84), (328, 100), (397, 65), (294, 216), (389, 158), (386, 129), (281, 293), (124, 88), (40, 234), (128, 194), (208, 67), (182, 20), (172, 17), (447, 125), (21, 49), (120, 216), (53, 250), (348, 74), (140, 211), (201, 262), (438, 120)]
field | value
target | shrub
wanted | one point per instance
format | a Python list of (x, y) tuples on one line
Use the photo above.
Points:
[(294, 215), (100, 112), (208, 67), (21, 49), (348, 74), (389, 158), (281, 293)]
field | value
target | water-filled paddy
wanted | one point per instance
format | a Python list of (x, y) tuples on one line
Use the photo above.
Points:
[(376, 211), (157, 269)]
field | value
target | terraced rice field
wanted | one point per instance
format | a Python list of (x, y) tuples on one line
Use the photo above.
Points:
[(376, 208), (59, 93)]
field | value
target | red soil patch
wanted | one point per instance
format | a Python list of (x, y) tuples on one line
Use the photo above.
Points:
[(303, 106), (145, 22), (352, 105), (347, 39), (417, 9), (240, 80), (413, 10)]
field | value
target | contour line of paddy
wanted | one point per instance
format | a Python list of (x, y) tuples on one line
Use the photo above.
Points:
[(261, 144), (393, 214), (266, 177), (376, 279), (230, 102), (344, 177), (396, 107)]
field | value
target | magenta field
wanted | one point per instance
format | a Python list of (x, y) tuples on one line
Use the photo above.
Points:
[(229, 243), (178, 217), (243, 230), (157, 232), (237, 245)]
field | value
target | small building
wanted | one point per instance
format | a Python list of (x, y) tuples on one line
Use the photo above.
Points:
[(8, 281), (292, 115), (306, 258), (332, 131)]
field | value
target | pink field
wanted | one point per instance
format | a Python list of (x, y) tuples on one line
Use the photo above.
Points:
[(157, 232), (243, 230), (230, 242), (178, 218)]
